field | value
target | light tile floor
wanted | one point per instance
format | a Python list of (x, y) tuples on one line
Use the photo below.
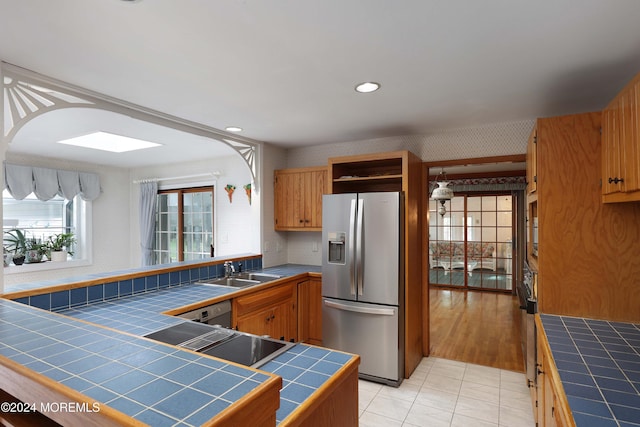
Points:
[(444, 392)]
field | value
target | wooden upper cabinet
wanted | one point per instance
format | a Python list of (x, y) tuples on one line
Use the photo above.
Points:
[(532, 162), (621, 146), (368, 173), (298, 198)]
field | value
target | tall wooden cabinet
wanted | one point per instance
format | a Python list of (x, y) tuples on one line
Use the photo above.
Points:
[(621, 146), (587, 259), (394, 171), (298, 198)]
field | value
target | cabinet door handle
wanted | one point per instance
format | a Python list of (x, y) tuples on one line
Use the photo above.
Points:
[(615, 180)]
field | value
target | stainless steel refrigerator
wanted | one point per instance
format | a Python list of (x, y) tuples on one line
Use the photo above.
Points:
[(363, 281)]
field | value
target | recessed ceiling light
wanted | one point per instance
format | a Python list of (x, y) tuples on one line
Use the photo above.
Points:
[(109, 142), (367, 87), (234, 129)]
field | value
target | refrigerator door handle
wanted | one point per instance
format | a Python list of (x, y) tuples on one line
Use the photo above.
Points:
[(352, 261), (360, 243), (358, 309)]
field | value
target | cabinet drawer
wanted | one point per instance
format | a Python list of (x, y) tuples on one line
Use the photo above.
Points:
[(261, 299)]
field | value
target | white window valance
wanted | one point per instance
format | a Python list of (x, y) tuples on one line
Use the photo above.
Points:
[(46, 183)]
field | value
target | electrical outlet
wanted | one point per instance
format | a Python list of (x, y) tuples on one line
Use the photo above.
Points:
[(267, 246), (314, 246)]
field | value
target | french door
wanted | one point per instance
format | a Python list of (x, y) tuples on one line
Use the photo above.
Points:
[(184, 224), (470, 246)]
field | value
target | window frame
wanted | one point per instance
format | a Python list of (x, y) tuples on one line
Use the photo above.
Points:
[(180, 192), (84, 234)]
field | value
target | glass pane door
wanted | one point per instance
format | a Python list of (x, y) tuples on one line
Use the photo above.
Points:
[(471, 244), (197, 224)]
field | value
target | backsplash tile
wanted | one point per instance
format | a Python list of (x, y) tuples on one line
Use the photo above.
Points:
[(78, 297)]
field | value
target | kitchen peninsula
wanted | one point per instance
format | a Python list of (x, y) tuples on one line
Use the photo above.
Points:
[(71, 346)]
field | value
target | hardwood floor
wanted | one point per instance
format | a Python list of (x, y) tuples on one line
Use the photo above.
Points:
[(476, 327)]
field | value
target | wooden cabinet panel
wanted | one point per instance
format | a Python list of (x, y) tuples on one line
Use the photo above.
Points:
[(298, 198), (532, 162), (270, 312), (310, 311), (621, 146), (587, 262), (552, 405)]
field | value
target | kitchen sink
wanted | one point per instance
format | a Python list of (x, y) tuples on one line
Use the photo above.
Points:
[(241, 280), (234, 282), (261, 277)]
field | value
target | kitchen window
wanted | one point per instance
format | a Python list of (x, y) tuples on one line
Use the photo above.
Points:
[(184, 225), (41, 219)]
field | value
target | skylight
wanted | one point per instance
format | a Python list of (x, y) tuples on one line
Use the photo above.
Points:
[(109, 142)]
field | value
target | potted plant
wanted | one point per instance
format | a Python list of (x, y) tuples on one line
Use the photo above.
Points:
[(6, 256), (60, 245), (35, 250), (16, 242)]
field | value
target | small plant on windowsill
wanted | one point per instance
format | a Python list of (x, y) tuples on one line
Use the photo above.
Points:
[(35, 250), (15, 241), (60, 245)]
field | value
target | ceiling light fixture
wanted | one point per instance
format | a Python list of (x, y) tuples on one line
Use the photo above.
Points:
[(367, 87), (442, 193), (109, 142), (233, 129)]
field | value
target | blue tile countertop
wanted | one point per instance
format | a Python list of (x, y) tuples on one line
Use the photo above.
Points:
[(599, 365), (152, 382), (141, 314)]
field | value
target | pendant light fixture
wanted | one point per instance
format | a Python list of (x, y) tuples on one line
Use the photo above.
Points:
[(442, 193)]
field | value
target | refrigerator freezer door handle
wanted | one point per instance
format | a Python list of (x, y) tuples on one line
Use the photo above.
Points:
[(352, 261), (359, 259), (359, 309)]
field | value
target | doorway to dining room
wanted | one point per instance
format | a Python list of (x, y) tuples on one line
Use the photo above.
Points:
[(471, 243)]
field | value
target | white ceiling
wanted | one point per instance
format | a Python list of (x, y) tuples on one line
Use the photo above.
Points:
[(285, 70)]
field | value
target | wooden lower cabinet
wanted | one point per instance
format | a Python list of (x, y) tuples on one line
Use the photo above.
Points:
[(270, 312), (310, 311), (552, 406)]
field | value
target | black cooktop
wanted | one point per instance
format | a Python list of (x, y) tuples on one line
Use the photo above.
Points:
[(239, 347), (180, 333), (247, 350)]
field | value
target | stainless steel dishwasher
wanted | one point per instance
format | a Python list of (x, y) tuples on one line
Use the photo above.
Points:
[(214, 314)]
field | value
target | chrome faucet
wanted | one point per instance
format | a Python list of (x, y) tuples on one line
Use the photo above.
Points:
[(229, 269)]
